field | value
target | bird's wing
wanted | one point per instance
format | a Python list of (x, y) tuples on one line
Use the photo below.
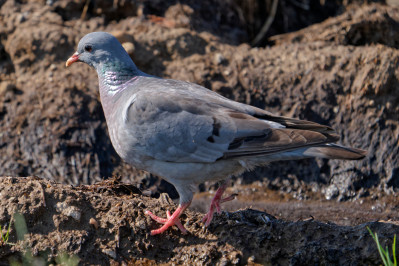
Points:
[(183, 122)]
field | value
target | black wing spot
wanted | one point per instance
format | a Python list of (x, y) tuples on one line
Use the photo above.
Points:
[(236, 143), (216, 127), (238, 115), (215, 130)]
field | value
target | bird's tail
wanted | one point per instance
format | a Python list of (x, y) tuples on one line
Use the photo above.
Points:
[(334, 151)]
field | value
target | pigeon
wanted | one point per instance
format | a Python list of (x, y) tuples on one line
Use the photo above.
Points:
[(188, 134)]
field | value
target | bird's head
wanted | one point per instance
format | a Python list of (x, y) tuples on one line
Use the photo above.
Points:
[(99, 48)]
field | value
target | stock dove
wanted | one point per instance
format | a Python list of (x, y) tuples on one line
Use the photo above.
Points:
[(188, 134)]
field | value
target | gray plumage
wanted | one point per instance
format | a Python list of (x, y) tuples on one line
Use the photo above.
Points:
[(188, 134)]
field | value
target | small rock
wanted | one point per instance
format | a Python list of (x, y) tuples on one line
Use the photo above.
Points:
[(251, 259), (331, 192), (110, 253), (70, 211), (129, 47), (336, 109), (219, 59), (140, 224), (5, 87), (156, 52), (93, 222), (53, 67), (227, 72)]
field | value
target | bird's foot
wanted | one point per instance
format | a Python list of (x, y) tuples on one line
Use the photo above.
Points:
[(170, 220), (215, 204)]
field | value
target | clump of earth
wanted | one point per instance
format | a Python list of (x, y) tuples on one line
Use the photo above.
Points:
[(78, 198)]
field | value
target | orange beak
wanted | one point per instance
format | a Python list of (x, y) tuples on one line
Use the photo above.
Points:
[(74, 58)]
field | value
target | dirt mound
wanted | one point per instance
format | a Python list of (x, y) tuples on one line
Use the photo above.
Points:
[(105, 224)]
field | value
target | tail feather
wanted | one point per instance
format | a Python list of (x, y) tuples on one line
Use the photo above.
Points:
[(334, 151)]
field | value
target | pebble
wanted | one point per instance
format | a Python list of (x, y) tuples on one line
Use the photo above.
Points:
[(110, 253), (219, 58), (129, 47), (5, 87), (70, 211), (140, 224), (93, 222), (251, 259)]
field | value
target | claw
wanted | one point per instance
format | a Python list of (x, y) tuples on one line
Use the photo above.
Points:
[(215, 204), (170, 220)]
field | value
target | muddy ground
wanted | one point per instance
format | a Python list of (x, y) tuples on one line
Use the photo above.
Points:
[(342, 71)]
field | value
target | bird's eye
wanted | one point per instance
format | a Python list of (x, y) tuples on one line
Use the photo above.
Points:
[(88, 48)]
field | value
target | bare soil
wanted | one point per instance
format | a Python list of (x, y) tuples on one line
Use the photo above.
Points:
[(105, 224), (342, 71)]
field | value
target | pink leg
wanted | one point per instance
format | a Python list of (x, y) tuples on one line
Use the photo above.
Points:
[(216, 201), (170, 220)]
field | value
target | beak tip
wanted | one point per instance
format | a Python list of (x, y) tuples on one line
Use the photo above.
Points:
[(74, 58)]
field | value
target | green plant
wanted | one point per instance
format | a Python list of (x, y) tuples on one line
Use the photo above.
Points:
[(20, 226), (22, 229), (5, 237), (384, 253), (65, 259), (27, 258)]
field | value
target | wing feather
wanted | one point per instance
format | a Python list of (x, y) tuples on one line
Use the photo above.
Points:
[(184, 122)]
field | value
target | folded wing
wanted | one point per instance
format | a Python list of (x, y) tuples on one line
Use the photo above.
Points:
[(182, 126)]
